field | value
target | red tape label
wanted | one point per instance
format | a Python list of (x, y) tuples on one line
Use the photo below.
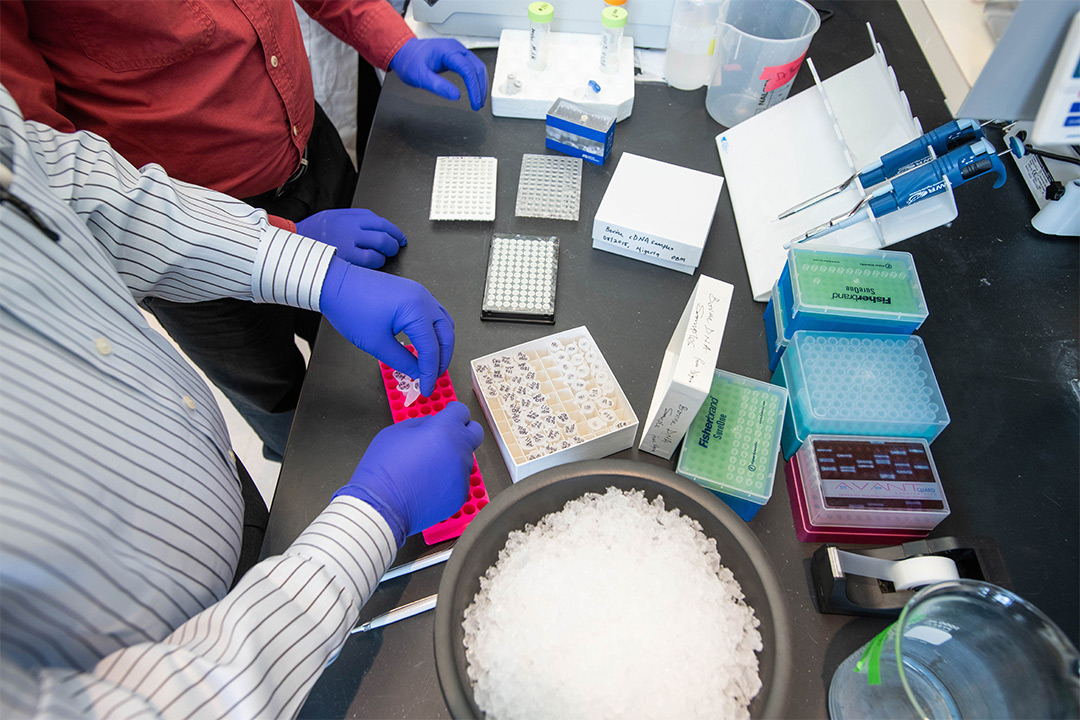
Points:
[(780, 75)]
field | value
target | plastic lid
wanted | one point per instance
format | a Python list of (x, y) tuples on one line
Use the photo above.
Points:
[(613, 17), (541, 12), (618, 3)]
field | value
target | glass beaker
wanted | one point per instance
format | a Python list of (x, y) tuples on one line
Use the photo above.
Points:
[(760, 45), (961, 649)]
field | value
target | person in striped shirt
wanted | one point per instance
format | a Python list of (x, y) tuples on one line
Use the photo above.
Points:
[(120, 506)]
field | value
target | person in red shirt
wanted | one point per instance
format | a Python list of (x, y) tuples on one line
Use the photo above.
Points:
[(220, 94)]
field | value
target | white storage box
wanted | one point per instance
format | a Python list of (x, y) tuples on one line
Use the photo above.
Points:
[(552, 401), (657, 212)]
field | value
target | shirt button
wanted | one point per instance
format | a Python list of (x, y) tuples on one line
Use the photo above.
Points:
[(295, 131), (189, 401), (103, 346), (273, 60)]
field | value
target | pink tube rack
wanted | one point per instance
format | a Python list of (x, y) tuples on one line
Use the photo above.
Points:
[(454, 525)]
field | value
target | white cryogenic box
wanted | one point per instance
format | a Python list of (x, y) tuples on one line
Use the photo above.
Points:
[(552, 401), (687, 371), (657, 212)]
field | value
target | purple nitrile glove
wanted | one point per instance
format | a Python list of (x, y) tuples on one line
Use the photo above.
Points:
[(360, 236), (369, 308), (416, 473), (419, 62)]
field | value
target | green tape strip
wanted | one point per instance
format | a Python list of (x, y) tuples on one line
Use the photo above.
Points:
[(870, 662)]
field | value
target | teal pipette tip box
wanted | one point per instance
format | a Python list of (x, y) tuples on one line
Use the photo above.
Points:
[(732, 444)]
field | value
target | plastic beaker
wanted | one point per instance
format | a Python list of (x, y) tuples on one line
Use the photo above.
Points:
[(961, 649), (760, 45), (691, 43)]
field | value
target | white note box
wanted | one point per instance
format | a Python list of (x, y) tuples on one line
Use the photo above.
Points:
[(687, 371), (657, 212)]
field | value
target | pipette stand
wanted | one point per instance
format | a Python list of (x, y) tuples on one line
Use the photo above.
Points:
[(573, 62), (809, 143)]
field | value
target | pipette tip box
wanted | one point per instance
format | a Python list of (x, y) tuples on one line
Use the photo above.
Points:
[(867, 384), (732, 444), (580, 131), (403, 394), (806, 531), (657, 212), (552, 401), (846, 290)]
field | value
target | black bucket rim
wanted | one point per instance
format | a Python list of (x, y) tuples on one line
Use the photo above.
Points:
[(453, 680)]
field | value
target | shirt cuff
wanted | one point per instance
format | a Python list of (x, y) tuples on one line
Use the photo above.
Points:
[(290, 269), (352, 541)]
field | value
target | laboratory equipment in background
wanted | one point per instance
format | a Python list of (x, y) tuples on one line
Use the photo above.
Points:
[(552, 401), (1058, 120), (843, 289), (579, 131), (691, 43), (732, 444), (686, 371), (536, 67), (647, 23), (811, 142), (1052, 177), (636, 217), (961, 649), (865, 489), (760, 45), (868, 384)]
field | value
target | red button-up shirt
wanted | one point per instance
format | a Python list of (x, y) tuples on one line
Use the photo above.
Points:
[(217, 91)]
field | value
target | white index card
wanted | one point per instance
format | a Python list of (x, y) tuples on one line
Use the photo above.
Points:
[(687, 371)]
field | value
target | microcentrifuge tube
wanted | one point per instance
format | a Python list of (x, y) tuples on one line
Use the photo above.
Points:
[(613, 20), (540, 16)]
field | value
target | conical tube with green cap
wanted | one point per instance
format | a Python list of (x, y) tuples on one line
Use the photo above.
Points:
[(613, 20), (540, 16)]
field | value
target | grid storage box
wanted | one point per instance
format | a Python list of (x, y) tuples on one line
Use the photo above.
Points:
[(868, 384), (870, 483), (552, 401), (731, 446)]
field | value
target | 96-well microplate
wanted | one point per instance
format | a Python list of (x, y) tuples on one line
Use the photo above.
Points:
[(521, 277), (464, 188), (549, 187)]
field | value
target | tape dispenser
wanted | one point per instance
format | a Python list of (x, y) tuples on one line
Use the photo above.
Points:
[(880, 581)]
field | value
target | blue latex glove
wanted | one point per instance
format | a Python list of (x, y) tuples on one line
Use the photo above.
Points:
[(369, 308), (360, 236), (416, 473), (419, 62)]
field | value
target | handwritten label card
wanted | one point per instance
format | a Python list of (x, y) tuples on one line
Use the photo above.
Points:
[(687, 370)]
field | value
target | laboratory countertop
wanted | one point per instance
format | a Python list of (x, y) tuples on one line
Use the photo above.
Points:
[(1001, 335)]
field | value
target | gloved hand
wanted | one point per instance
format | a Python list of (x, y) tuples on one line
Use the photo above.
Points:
[(418, 63), (360, 236), (369, 308), (416, 473)]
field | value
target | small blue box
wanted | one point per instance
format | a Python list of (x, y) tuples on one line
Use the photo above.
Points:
[(580, 131)]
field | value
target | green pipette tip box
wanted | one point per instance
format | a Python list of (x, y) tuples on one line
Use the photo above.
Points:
[(879, 288), (732, 444)]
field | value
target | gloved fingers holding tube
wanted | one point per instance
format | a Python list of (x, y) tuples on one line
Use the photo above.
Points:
[(369, 308), (360, 236), (419, 62), (416, 473)]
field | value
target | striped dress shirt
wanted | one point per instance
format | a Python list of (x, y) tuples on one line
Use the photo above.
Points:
[(120, 509)]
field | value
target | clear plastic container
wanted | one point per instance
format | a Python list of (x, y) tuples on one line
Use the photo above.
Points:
[(731, 446), (852, 290), (691, 43), (870, 384), (612, 22), (540, 16), (871, 483), (760, 45)]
